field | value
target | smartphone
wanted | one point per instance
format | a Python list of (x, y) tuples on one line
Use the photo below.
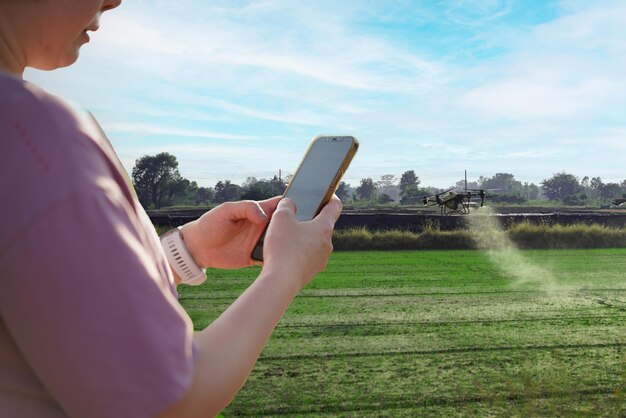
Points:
[(317, 178)]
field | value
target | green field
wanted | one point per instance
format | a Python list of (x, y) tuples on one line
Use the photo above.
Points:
[(440, 333)]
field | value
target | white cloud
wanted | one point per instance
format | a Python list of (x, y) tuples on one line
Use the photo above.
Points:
[(526, 98), (477, 12), (144, 129), (572, 67), (275, 75)]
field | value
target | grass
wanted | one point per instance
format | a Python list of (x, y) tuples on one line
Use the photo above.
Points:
[(439, 333)]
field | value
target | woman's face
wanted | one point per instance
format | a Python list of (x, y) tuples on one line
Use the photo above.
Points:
[(60, 28)]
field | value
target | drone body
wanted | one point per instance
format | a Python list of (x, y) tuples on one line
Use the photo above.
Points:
[(452, 202)]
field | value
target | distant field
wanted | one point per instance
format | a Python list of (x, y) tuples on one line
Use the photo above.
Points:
[(439, 333)]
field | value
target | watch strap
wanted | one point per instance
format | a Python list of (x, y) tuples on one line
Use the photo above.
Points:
[(180, 259)]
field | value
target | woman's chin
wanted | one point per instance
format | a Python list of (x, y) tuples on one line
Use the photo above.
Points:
[(70, 58)]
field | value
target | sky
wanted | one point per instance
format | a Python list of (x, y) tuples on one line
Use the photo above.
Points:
[(239, 88)]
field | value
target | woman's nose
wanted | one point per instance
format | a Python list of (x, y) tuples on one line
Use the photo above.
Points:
[(110, 4)]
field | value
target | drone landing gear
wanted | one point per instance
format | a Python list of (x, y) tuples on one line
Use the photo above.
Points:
[(464, 209)]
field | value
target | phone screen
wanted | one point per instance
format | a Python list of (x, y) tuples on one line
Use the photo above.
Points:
[(315, 175)]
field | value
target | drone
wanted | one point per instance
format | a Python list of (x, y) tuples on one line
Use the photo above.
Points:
[(453, 202)]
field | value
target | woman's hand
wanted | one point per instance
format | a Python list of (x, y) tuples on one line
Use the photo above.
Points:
[(297, 251), (225, 236)]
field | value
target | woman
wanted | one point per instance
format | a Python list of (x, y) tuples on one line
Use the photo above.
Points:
[(89, 321)]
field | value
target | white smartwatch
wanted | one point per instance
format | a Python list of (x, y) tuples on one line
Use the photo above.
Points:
[(180, 259)]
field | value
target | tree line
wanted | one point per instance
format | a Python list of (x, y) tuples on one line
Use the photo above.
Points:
[(158, 184)]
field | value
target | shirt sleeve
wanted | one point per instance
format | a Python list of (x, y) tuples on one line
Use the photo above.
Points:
[(87, 306)]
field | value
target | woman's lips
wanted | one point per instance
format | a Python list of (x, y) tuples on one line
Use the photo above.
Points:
[(93, 28)]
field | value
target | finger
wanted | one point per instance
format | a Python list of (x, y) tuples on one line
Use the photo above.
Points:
[(250, 210), (256, 263), (286, 206), (330, 212), (269, 205)]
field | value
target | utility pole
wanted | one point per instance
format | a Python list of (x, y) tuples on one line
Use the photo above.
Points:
[(465, 180)]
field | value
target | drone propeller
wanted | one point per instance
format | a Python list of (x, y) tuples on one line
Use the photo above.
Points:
[(427, 203), (485, 190), (486, 196), (479, 194), (434, 196)]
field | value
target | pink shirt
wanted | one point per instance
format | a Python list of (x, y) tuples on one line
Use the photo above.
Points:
[(90, 325)]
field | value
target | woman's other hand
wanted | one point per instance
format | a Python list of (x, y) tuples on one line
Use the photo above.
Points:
[(225, 236), (295, 250)]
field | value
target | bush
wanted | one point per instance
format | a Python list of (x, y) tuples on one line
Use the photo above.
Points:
[(524, 235), (362, 239), (160, 229), (352, 239)]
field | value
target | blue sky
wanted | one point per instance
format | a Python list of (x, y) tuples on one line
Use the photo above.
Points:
[(239, 88)]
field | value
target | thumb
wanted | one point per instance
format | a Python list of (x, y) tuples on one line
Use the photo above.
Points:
[(286, 209), (331, 212), (287, 206)]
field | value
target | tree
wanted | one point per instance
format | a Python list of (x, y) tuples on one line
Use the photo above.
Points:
[(253, 189), (561, 185), (531, 191), (387, 180), (505, 182), (262, 189), (384, 198), (409, 190), (411, 195), (576, 200), (278, 186), (387, 185), (407, 180), (595, 185), (343, 191), (182, 191), (610, 191), (585, 182), (460, 185), (225, 191), (204, 195), (157, 180), (367, 189)]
